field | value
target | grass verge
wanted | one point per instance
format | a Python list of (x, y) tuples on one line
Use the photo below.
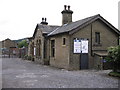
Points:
[(115, 74)]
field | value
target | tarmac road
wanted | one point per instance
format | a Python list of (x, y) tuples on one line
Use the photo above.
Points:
[(17, 73)]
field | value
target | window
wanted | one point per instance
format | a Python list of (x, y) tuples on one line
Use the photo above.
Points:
[(64, 41), (97, 37), (39, 47), (52, 48)]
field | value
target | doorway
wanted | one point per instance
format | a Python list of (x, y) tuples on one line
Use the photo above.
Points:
[(84, 61), (84, 54)]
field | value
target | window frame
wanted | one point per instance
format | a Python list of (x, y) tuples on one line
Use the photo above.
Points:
[(64, 41), (52, 42), (97, 37)]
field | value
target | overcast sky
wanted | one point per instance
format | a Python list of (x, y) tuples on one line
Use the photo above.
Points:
[(18, 18)]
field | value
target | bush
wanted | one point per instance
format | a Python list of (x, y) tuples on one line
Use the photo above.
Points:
[(23, 43), (114, 57), (25, 57), (29, 58), (115, 74)]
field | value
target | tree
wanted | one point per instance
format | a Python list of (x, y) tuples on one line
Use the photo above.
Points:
[(23, 43), (114, 57)]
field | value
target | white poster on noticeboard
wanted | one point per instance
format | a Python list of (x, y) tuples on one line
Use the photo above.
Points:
[(77, 46), (34, 51), (84, 44)]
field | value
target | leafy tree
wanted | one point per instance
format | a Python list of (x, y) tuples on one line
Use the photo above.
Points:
[(23, 43), (114, 57)]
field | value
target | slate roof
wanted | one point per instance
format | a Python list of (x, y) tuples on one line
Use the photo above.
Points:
[(47, 28), (71, 27), (44, 28)]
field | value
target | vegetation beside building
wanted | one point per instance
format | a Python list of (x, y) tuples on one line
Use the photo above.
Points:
[(115, 74), (23, 43), (114, 58)]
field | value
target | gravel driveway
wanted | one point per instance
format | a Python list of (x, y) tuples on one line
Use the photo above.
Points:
[(17, 73)]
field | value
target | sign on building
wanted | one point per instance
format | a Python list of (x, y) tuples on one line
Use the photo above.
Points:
[(34, 51), (80, 46), (84, 44), (77, 46)]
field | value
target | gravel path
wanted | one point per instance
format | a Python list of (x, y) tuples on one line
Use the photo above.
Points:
[(17, 73)]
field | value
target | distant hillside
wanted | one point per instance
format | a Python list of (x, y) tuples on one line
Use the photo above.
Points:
[(19, 40)]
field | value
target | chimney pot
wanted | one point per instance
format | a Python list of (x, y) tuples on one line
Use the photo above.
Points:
[(42, 19), (45, 19), (69, 7), (65, 7)]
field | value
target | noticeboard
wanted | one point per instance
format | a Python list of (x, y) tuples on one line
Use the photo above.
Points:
[(80, 46), (84, 44), (77, 46)]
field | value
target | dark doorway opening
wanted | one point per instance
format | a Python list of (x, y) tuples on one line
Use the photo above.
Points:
[(84, 61)]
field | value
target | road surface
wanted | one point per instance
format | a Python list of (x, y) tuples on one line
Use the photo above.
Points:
[(18, 73)]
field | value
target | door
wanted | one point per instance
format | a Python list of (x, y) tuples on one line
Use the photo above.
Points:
[(84, 61), (84, 54)]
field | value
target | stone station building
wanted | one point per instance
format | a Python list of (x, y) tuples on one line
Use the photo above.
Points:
[(54, 45)]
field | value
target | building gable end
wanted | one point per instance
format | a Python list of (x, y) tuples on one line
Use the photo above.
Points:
[(93, 20)]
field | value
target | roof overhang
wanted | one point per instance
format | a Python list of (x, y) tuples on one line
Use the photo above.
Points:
[(101, 54)]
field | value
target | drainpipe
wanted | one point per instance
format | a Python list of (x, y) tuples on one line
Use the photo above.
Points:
[(49, 50), (91, 41), (118, 40)]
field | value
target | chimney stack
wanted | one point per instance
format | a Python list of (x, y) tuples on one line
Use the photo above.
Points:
[(44, 21), (66, 15)]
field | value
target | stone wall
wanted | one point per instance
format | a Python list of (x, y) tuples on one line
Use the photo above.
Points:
[(61, 59), (107, 38)]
